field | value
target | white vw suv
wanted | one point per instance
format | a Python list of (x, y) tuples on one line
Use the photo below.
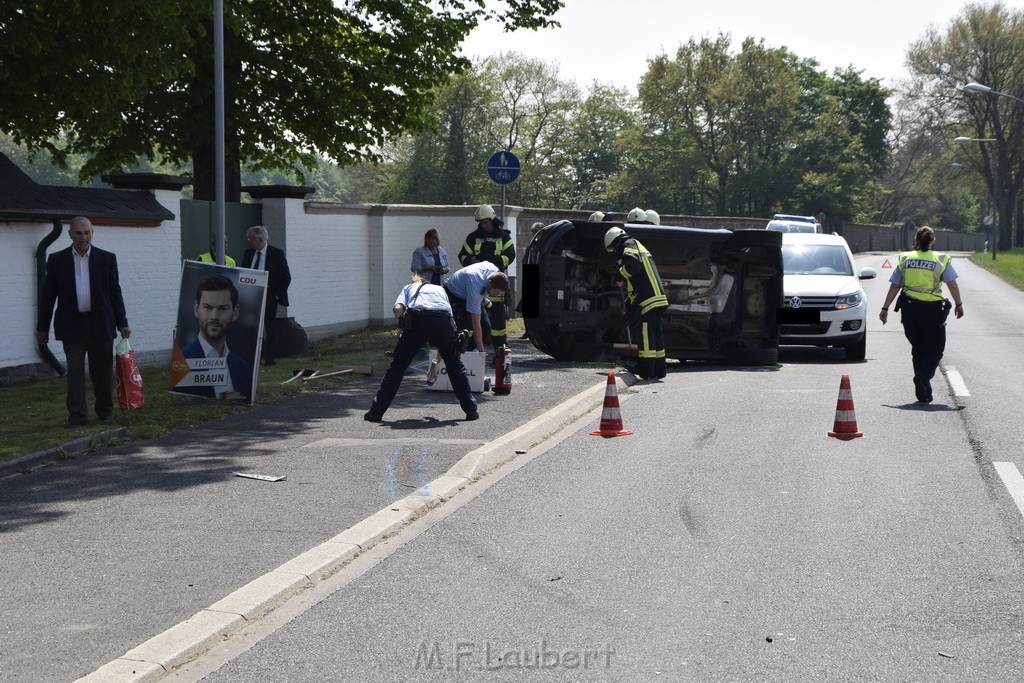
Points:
[(823, 302)]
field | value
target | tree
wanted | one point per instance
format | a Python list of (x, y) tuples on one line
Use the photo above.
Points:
[(983, 44), (302, 77)]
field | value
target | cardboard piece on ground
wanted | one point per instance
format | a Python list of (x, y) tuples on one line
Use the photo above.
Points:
[(261, 477), (475, 368)]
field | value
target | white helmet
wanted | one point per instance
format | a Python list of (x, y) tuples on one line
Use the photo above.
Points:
[(612, 236), (483, 212), (652, 217), (636, 215), (596, 217)]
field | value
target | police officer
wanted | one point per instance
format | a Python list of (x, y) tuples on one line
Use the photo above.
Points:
[(645, 299), (468, 291), (211, 256), (918, 279), (425, 316), (492, 244)]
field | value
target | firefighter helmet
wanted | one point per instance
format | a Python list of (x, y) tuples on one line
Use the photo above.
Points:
[(652, 217), (636, 215), (483, 212), (596, 217), (612, 236)]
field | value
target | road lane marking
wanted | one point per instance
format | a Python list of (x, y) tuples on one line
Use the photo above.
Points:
[(956, 382), (1014, 482)]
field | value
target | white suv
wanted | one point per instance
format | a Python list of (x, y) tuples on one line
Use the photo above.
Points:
[(823, 302)]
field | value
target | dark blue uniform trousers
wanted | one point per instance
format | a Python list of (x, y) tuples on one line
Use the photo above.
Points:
[(437, 329), (924, 324)]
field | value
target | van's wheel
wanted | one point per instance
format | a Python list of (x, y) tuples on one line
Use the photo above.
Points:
[(756, 238)]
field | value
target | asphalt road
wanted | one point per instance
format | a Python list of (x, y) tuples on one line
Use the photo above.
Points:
[(108, 550), (727, 539)]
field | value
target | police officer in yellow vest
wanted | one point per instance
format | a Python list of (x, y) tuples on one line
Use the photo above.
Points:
[(645, 298), (918, 279), (489, 242), (211, 256)]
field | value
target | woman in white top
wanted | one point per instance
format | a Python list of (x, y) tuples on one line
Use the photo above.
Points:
[(430, 261)]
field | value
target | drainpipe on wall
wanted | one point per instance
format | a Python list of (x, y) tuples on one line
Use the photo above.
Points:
[(44, 349)]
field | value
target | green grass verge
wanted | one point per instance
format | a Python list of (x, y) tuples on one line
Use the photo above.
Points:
[(33, 415), (1008, 265)]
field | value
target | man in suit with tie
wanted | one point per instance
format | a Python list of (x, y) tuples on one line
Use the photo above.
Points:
[(83, 282), (261, 256)]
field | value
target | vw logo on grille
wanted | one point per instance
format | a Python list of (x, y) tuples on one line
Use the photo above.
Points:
[(795, 302)]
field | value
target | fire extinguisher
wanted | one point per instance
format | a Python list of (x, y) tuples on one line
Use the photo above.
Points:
[(503, 370)]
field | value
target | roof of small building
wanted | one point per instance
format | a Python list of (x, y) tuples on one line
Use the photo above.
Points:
[(26, 199)]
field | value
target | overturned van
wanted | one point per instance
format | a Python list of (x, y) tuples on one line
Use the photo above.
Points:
[(724, 288)]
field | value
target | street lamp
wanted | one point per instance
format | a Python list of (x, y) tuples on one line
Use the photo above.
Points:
[(995, 188), (985, 90)]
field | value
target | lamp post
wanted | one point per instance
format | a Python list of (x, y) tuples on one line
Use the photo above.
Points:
[(985, 90), (982, 89), (995, 192)]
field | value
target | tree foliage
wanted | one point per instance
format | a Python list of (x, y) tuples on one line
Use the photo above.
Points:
[(121, 79), (981, 45)]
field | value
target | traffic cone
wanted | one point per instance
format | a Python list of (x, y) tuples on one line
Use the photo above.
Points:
[(845, 426), (611, 419)]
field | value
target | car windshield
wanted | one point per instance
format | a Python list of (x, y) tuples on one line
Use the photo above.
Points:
[(816, 259)]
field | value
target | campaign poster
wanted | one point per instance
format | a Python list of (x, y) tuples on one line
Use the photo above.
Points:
[(218, 334)]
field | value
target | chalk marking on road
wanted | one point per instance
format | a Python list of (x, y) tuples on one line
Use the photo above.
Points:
[(956, 382), (1013, 481)]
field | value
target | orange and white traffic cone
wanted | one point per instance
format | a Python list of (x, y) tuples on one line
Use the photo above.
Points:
[(611, 418), (845, 426)]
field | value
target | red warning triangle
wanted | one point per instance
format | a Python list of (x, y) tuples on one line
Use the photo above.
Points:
[(887, 264)]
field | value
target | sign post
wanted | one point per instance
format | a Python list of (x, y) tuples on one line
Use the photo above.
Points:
[(503, 168)]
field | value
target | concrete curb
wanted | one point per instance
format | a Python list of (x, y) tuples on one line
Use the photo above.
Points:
[(69, 448), (159, 655)]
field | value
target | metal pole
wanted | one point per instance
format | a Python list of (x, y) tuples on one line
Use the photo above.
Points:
[(503, 205), (218, 127)]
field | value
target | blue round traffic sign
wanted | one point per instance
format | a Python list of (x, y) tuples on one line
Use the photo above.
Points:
[(503, 167)]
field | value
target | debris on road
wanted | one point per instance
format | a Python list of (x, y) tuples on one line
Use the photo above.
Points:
[(261, 477)]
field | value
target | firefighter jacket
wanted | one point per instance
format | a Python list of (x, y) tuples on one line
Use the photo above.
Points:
[(494, 247), (208, 258), (922, 274), (643, 284)]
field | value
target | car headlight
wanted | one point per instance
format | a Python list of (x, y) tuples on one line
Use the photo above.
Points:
[(849, 301)]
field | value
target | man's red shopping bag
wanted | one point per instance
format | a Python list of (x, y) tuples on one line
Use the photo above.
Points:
[(129, 379)]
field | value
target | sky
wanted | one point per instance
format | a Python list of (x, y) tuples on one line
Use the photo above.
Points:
[(611, 40)]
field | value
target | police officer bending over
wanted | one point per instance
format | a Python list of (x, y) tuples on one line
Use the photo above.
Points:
[(425, 317), (920, 274)]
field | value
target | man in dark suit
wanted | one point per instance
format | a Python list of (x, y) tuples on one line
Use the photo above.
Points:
[(216, 307), (261, 256), (83, 282)]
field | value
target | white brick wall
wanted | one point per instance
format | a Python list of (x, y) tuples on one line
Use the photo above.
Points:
[(149, 268), (348, 263)]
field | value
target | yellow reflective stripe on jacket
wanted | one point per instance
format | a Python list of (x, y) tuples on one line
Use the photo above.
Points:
[(922, 274), (657, 298)]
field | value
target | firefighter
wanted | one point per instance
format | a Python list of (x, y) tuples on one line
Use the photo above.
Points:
[(490, 243), (645, 299), (918, 279), (211, 256), (637, 216)]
